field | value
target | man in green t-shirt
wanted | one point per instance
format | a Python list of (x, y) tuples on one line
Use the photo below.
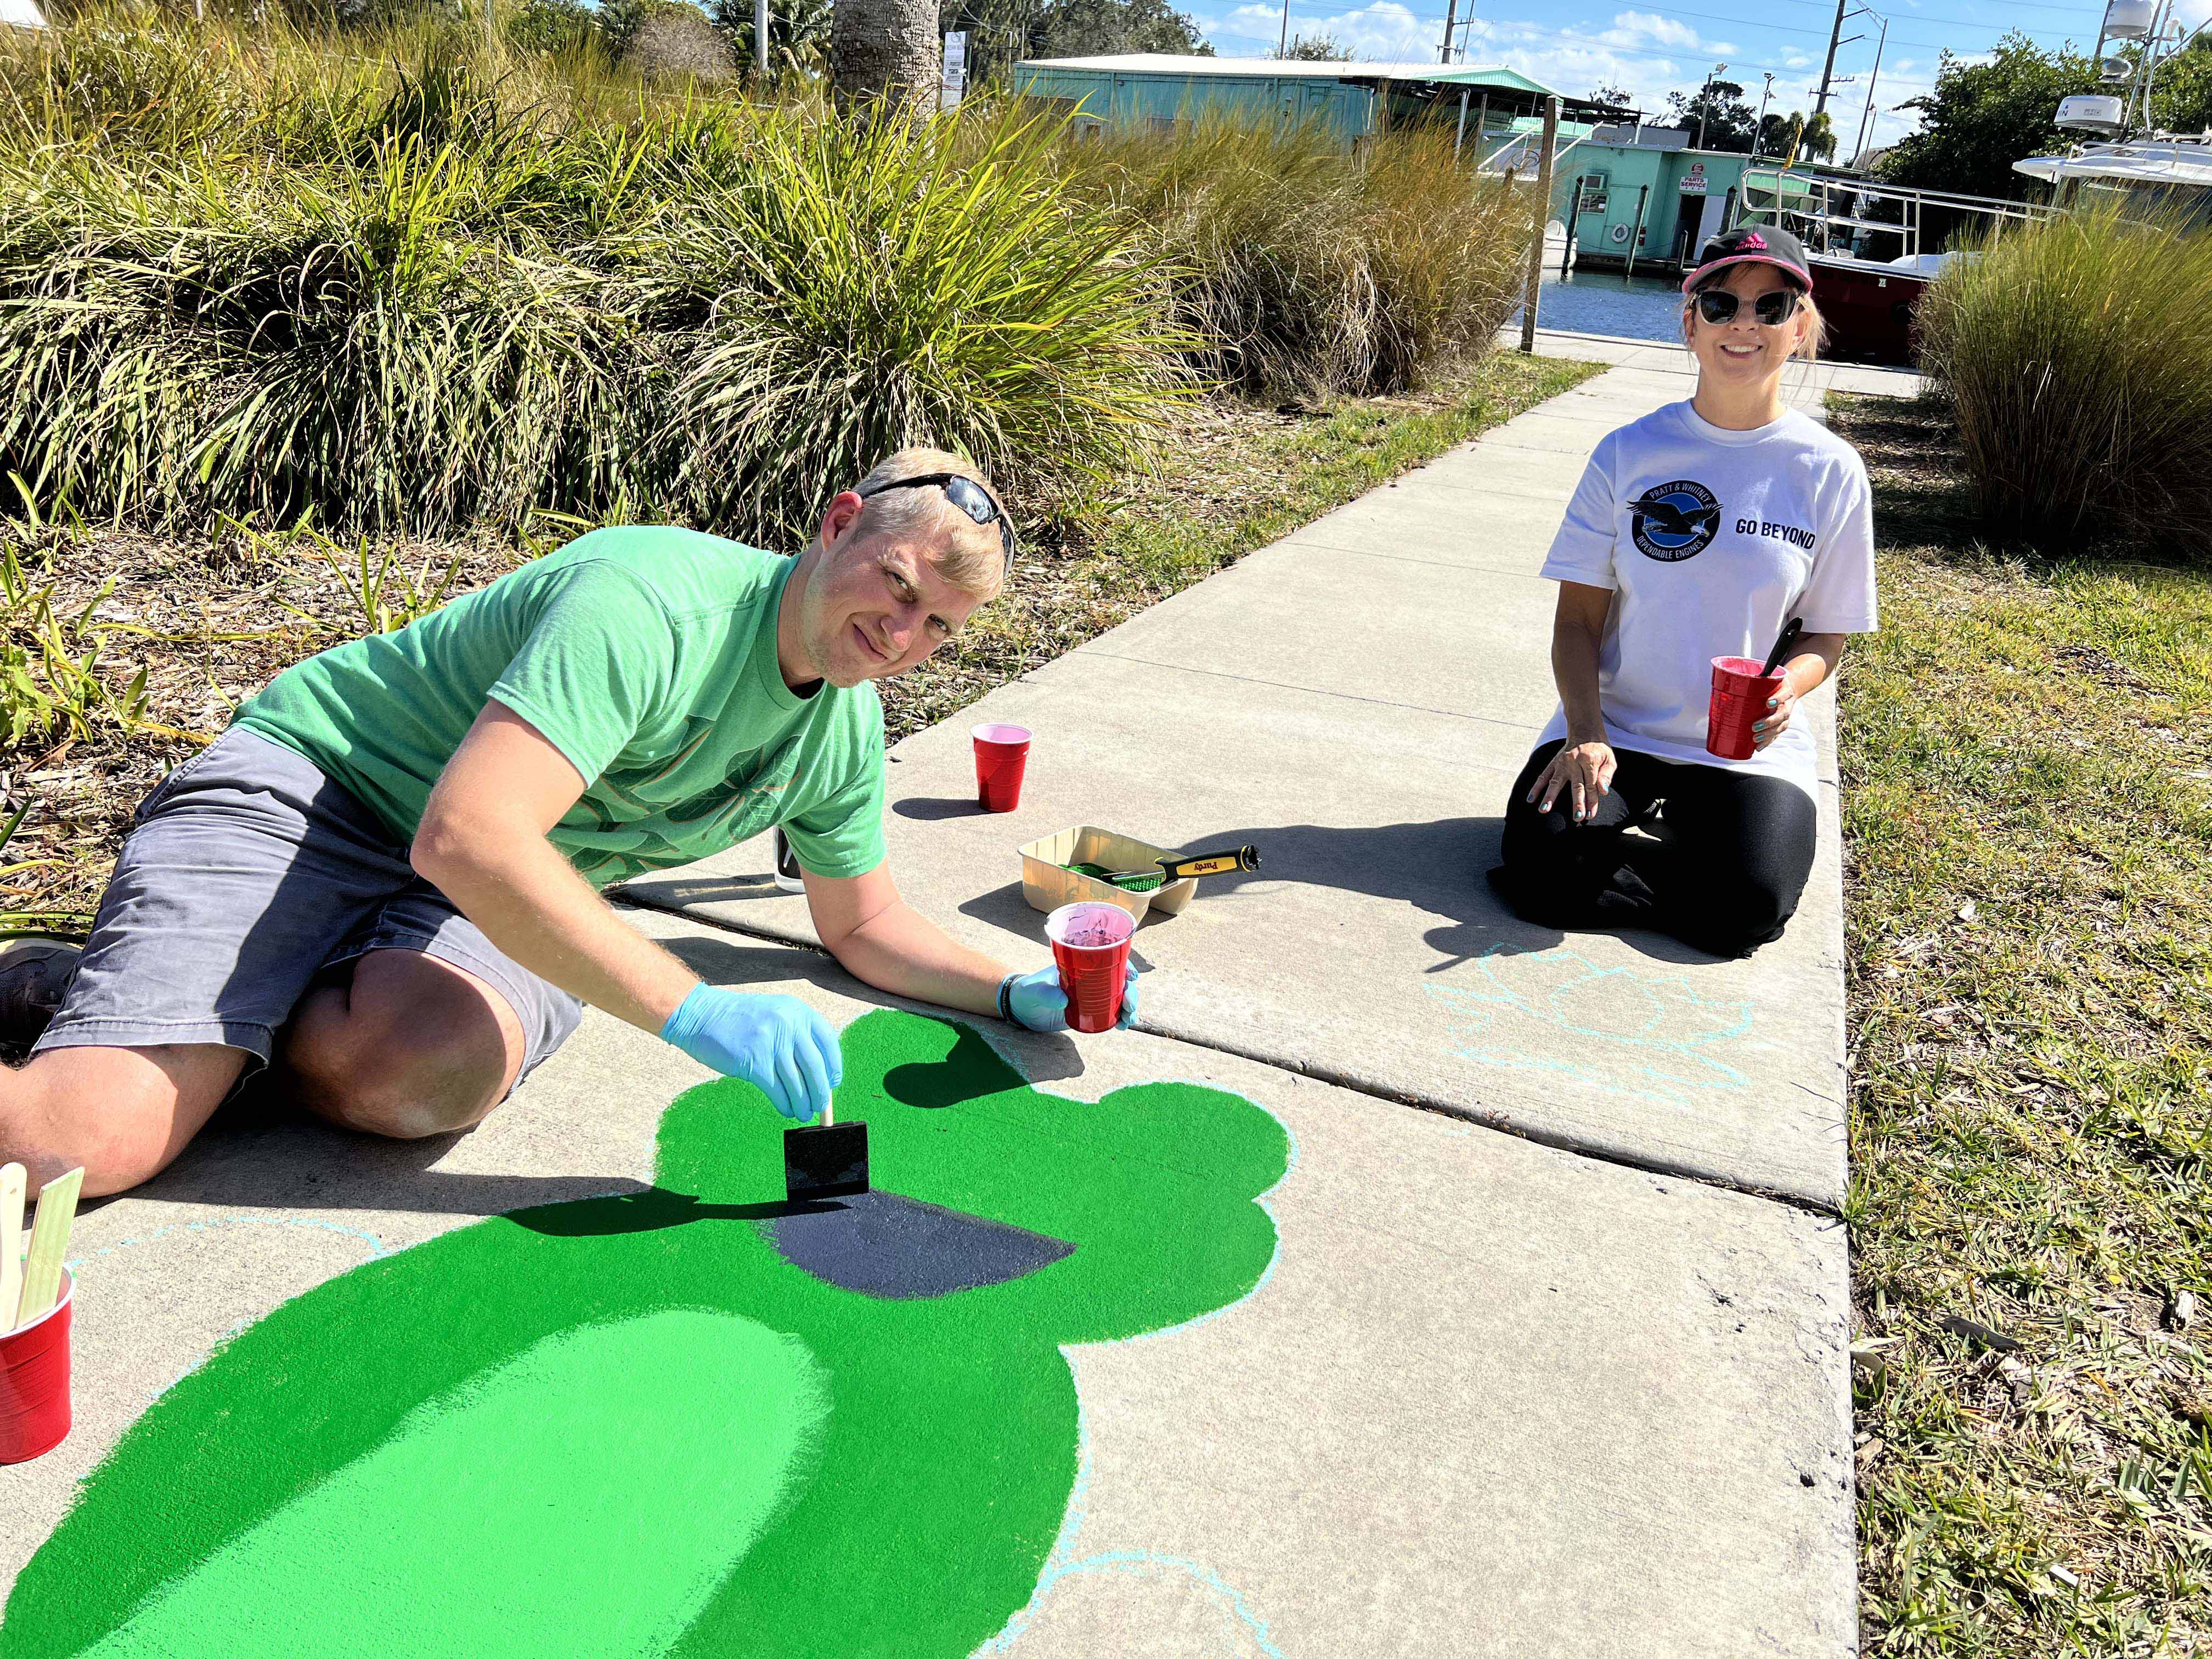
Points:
[(383, 880)]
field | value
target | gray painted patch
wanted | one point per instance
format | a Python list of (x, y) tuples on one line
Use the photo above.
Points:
[(901, 1249)]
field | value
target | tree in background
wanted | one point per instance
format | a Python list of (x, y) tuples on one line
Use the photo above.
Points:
[(798, 31), (1611, 96), (1728, 115), (2181, 97), (1811, 137), (1001, 33), (1317, 49), (886, 48), (551, 26), (620, 20), (1983, 117)]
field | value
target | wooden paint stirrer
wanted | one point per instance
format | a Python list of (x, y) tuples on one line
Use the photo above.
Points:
[(50, 1236), (12, 1179)]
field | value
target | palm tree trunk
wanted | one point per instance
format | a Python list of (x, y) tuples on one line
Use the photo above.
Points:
[(886, 48)]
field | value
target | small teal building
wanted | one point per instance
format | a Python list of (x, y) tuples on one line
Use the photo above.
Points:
[(1352, 99), (1641, 197)]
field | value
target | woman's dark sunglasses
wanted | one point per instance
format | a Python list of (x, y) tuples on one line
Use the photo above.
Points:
[(1777, 305), (969, 496)]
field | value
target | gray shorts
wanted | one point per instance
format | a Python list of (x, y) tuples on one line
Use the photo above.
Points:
[(246, 875)]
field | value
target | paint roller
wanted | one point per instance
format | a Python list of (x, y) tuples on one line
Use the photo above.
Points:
[(1174, 868)]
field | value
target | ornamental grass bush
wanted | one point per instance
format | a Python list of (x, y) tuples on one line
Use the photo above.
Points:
[(399, 280), (2077, 354), (1300, 264), (464, 306)]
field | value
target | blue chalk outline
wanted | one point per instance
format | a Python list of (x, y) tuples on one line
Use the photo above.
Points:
[(1699, 1072), (1061, 1564)]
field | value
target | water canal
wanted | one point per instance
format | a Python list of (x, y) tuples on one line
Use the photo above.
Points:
[(1607, 302)]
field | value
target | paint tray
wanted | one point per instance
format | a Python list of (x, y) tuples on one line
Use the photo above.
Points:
[(1046, 886)]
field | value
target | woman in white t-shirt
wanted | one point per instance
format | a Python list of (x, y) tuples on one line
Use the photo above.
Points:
[(1698, 531)]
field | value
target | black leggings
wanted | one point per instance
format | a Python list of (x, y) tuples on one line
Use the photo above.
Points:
[(1731, 860)]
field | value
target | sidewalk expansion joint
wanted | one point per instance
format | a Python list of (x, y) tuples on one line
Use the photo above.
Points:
[(1475, 1116)]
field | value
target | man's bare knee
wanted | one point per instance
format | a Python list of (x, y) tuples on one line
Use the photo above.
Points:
[(403, 1052)]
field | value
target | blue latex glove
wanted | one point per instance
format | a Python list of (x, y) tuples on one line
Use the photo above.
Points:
[(1037, 1001), (777, 1043)]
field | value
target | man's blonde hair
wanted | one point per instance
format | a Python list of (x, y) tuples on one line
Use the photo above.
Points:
[(973, 556)]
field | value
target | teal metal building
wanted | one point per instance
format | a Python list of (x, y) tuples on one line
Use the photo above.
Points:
[(1352, 99), (1640, 197)]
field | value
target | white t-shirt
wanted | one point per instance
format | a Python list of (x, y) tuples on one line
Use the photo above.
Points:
[(1711, 540)]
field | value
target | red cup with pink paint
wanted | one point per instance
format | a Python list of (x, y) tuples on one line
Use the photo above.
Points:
[(34, 1381), (1742, 690), (1002, 756), (1091, 946)]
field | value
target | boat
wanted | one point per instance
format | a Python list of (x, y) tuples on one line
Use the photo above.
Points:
[(1874, 248), (2123, 160)]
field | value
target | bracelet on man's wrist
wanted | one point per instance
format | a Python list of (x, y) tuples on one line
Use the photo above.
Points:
[(1006, 997)]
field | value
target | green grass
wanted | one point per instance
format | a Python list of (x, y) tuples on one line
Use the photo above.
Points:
[(2027, 759)]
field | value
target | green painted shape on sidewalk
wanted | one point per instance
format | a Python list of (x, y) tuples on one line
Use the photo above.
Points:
[(540, 1494), (929, 1492)]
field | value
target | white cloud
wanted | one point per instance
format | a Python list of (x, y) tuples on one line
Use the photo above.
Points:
[(1647, 53), (1635, 28), (1385, 32)]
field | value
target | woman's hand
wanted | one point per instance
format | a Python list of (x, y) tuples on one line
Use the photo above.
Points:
[(1776, 721), (1585, 769)]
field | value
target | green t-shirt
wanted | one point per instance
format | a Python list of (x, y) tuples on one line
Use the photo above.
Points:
[(647, 656)]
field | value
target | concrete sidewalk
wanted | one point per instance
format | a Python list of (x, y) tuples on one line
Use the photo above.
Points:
[(1489, 1396), (1355, 701)]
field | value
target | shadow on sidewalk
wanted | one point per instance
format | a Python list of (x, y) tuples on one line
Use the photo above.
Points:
[(263, 1150), (1435, 870)]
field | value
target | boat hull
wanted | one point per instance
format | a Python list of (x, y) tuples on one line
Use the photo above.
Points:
[(1870, 308)]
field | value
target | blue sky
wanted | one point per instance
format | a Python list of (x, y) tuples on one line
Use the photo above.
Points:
[(1651, 50)]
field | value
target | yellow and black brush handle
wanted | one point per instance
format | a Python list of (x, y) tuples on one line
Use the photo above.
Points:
[(1211, 864)]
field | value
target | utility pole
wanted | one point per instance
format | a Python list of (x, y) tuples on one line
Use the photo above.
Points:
[(1866, 117), (1706, 102), (1543, 211), (1828, 69), (1758, 126), (1451, 22), (1282, 45), (760, 38)]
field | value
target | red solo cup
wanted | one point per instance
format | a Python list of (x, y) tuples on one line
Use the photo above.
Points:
[(34, 1383), (1090, 943), (1002, 755), (1741, 690)]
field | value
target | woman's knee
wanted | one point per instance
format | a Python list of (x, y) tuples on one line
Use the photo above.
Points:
[(1737, 919)]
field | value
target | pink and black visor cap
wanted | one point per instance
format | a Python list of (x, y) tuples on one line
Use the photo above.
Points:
[(1763, 244)]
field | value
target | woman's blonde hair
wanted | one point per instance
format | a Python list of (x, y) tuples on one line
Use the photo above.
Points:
[(1808, 343), (974, 557)]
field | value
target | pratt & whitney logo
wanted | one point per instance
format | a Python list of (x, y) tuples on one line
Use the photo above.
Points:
[(1674, 521)]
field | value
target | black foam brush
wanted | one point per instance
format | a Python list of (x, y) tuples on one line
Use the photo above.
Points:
[(827, 1159)]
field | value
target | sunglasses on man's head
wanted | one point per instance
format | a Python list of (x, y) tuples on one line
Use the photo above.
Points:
[(969, 496), (1717, 305)]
